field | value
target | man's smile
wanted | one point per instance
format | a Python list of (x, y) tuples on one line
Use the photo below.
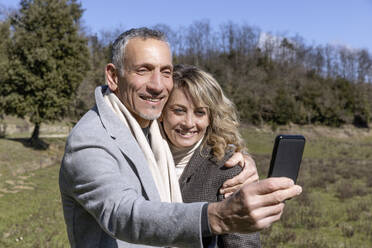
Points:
[(151, 98)]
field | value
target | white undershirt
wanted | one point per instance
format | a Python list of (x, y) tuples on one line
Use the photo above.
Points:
[(182, 156)]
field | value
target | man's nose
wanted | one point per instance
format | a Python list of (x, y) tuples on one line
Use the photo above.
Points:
[(155, 85)]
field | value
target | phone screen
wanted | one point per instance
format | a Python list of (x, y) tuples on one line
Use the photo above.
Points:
[(287, 156)]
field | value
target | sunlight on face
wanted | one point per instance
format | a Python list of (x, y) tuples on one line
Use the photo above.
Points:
[(147, 80), (184, 123)]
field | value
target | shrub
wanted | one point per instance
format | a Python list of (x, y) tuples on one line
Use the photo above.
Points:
[(310, 217), (272, 237), (369, 180), (360, 191), (289, 217), (304, 199), (321, 180), (344, 190), (321, 174), (352, 169), (354, 211), (347, 230), (3, 127), (312, 242), (364, 225)]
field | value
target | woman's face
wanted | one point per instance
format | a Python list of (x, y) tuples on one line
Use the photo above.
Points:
[(184, 123)]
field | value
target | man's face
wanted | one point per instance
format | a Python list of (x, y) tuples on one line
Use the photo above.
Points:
[(147, 80)]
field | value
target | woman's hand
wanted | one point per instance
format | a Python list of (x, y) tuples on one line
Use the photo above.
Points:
[(247, 175)]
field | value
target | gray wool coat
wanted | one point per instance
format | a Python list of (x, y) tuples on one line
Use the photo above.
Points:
[(108, 194), (201, 180)]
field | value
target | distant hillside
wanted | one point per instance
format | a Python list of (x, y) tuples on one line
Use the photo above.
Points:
[(273, 80)]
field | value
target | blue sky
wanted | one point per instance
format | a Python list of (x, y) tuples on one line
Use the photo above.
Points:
[(346, 22)]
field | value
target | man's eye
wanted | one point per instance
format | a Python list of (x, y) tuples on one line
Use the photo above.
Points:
[(142, 70), (167, 73)]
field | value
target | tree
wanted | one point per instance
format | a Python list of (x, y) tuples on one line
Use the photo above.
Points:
[(100, 54), (364, 65), (284, 107), (4, 40), (48, 58)]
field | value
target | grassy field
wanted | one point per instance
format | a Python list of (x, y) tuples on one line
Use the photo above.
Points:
[(30, 208), (335, 209)]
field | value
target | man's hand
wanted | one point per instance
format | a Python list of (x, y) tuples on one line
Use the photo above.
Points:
[(247, 175), (254, 207)]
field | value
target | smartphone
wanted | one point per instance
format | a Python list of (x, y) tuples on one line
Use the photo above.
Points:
[(287, 155)]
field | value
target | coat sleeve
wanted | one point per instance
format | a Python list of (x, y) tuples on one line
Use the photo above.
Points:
[(90, 174), (236, 240)]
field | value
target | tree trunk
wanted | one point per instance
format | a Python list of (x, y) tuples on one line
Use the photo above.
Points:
[(35, 133), (35, 141)]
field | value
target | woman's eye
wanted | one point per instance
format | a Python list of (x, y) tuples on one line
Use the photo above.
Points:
[(178, 110), (200, 112)]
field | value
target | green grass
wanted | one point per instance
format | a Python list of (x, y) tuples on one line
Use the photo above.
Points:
[(16, 158), (318, 146), (334, 210), (30, 206), (33, 217)]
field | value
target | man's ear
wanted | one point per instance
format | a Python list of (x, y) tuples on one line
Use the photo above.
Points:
[(112, 78)]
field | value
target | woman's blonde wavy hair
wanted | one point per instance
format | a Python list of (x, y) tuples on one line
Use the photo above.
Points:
[(222, 133)]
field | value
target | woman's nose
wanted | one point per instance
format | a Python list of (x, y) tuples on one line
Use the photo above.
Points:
[(189, 121)]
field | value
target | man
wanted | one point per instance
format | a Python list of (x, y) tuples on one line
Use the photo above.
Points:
[(117, 188)]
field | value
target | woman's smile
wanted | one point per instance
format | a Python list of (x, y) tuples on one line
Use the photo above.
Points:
[(184, 123)]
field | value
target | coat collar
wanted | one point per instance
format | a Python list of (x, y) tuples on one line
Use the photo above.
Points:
[(123, 138), (194, 164), (199, 158)]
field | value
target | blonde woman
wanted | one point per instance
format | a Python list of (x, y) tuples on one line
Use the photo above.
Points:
[(201, 126)]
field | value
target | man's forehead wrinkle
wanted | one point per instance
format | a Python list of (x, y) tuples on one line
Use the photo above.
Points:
[(137, 54)]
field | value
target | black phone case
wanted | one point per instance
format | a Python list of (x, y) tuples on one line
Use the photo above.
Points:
[(287, 155)]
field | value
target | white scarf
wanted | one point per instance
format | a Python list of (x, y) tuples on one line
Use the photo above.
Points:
[(159, 158)]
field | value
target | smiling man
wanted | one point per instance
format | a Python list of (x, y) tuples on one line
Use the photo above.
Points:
[(117, 178), (146, 81)]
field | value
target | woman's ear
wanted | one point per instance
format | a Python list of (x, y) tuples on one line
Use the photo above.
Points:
[(112, 78)]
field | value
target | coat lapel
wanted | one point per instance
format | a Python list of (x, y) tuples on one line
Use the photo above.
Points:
[(192, 167), (127, 144)]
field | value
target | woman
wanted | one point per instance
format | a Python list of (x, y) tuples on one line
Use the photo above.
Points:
[(201, 126)]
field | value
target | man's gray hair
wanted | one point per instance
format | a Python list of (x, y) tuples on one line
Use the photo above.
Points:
[(118, 48)]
